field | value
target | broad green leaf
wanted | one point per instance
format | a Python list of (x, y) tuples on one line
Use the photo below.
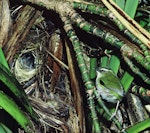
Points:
[(131, 7), (10, 81), (104, 61), (121, 3), (114, 63), (2, 59), (126, 81), (4, 129), (12, 108), (141, 126)]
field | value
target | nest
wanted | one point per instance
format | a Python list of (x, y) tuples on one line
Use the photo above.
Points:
[(36, 64)]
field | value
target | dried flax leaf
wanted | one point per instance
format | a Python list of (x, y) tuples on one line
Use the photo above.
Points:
[(5, 24), (56, 48), (75, 85), (135, 29), (73, 120), (5, 21), (52, 111), (136, 110), (26, 19)]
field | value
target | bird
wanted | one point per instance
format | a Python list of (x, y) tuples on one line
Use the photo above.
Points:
[(108, 85)]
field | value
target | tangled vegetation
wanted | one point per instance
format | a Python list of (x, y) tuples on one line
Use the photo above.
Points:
[(74, 66)]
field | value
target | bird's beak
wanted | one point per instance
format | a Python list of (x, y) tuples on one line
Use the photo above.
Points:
[(97, 69), (97, 73)]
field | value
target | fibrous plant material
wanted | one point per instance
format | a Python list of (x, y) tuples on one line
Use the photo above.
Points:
[(56, 48), (75, 85), (5, 21), (26, 19), (28, 63)]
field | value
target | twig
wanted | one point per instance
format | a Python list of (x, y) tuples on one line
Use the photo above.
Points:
[(56, 59)]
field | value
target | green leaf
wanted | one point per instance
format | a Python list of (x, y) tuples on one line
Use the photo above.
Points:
[(139, 126), (131, 7), (126, 81), (12, 85), (12, 108), (3, 59), (114, 63), (104, 61), (4, 129), (121, 3)]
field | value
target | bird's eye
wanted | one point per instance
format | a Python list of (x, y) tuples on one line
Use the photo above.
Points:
[(101, 82), (102, 70)]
